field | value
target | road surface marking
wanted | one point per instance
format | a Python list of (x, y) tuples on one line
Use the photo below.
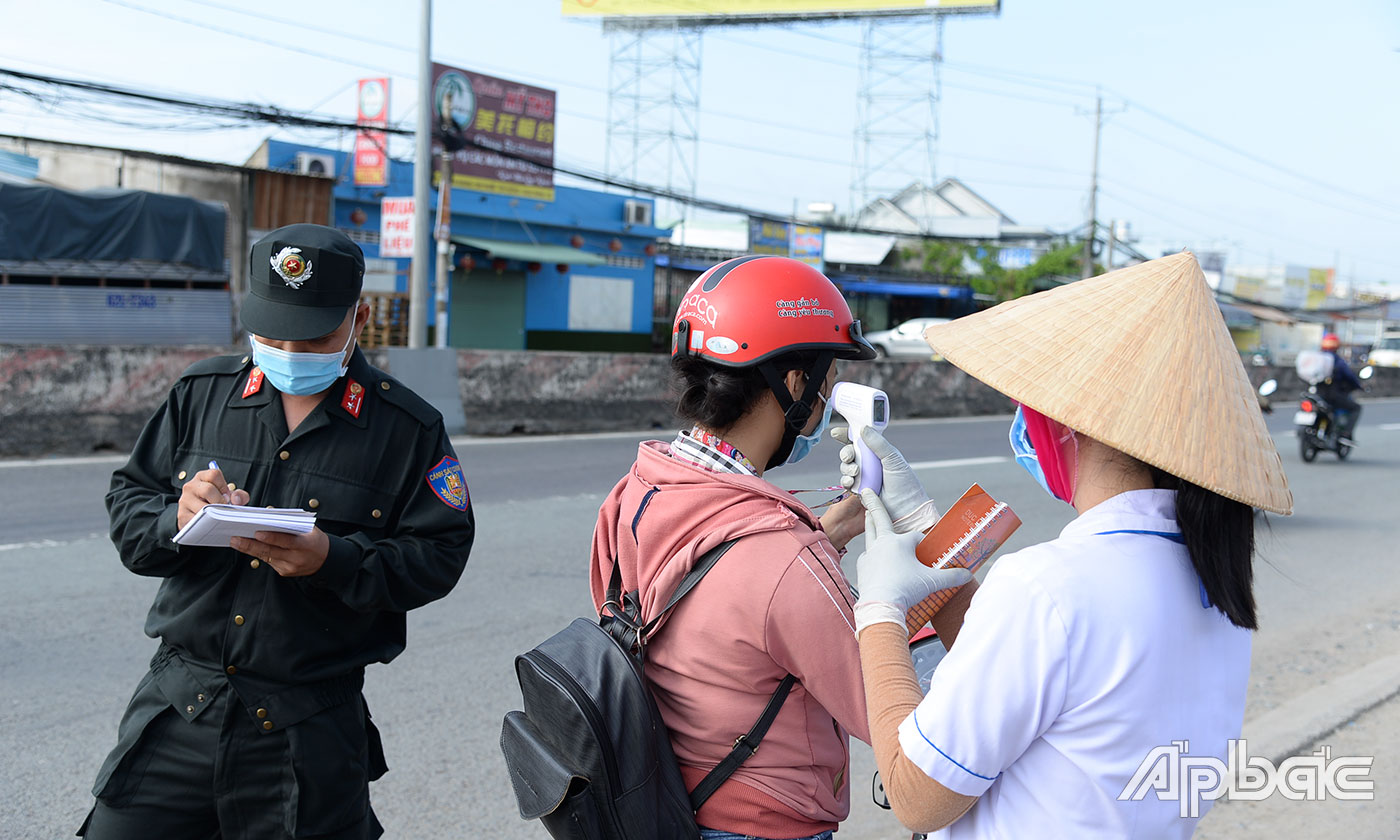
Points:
[(48, 543), (959, 462), (63, 462), (1389, 427)]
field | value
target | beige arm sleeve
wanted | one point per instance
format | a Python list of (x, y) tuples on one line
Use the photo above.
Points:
[(891, 694)]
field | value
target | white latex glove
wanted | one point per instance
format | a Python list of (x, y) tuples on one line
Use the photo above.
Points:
[(892, 580), (903, 494)]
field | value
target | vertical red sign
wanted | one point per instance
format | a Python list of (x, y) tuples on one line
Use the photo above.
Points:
[(371, 143)]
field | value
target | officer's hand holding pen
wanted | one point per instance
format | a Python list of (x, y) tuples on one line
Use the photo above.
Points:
[(207, 487)]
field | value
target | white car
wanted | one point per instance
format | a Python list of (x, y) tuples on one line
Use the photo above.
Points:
[(905, 341), (1386, 353)]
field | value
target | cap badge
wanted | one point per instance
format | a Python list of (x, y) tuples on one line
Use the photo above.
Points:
[(291, 266)]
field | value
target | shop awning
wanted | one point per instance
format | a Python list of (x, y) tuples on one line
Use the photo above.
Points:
[(934, 290), (527, 252)]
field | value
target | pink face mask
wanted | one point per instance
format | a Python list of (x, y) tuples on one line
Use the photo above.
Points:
[(1057, 450)]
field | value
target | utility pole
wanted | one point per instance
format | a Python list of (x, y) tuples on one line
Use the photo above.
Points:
[(1110, 239), (422, 178), (1088, 268), (444, 246)]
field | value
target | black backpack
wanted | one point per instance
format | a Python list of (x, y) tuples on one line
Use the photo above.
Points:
[(590, 756)]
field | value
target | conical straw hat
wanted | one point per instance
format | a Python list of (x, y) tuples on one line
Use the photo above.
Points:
[(1138, 359)]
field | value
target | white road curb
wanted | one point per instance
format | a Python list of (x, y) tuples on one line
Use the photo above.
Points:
[(1311, 716)]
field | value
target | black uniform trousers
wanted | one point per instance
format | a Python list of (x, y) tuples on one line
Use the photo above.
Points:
[(210, 770)]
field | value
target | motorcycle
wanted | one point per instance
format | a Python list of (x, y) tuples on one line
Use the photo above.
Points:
[(1317, 424)]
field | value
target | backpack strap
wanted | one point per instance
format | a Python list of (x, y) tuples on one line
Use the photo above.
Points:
[(744, 746), (692, 577), (621, 615)]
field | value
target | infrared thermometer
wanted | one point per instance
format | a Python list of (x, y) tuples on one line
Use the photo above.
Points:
[(863, 406)]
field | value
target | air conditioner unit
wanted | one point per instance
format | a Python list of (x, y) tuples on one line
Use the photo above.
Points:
[(316, 163), (637, 213)]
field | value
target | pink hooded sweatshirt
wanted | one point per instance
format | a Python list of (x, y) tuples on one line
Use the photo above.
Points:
[(776, 603)]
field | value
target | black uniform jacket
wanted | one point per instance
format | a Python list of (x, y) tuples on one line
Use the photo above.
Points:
[(373, 462)]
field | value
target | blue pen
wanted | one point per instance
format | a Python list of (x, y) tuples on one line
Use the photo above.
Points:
[(214, 465)]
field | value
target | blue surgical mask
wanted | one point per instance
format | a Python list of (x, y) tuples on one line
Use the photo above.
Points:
[(805, 443), (300, 374), (1025, 453)]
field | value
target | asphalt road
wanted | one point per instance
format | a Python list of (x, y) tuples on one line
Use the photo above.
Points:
[(72, 649)]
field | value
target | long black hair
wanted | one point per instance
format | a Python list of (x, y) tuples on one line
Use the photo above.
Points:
[(715, 396), (1219, 534)]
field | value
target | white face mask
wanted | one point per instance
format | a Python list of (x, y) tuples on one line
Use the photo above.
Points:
[(300, 374)]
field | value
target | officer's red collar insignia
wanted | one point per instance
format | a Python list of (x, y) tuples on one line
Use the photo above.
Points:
[(354, 398), (445, 478), (255, 380)]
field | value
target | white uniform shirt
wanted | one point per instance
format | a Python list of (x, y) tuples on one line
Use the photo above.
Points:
[(1077, 658)]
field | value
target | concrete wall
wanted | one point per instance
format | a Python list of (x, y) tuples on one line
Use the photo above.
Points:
[(74, 400)]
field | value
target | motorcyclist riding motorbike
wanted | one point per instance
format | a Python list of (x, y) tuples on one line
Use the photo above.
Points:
[(1337, 388)]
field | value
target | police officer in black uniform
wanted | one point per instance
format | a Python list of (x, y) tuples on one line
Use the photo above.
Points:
[(251, 722)]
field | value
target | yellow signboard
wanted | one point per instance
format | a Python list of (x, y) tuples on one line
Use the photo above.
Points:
[(763, 8), (1319, 286)]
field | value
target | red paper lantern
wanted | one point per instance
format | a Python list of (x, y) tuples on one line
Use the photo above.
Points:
[(358, 217), (499, 264), (576, 241), (650, 249), (562, 268), (533, 267), (466, 263), (615, 245)]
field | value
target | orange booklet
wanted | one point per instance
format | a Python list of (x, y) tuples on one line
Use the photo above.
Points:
[(974, 527)]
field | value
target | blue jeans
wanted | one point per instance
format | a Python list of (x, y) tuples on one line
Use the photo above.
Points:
[(716, 834)]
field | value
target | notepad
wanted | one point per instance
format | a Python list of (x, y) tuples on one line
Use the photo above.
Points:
[(972, 529), (215, 524)]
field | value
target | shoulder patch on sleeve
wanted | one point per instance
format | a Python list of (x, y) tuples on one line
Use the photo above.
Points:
[(217, 365), (445, 478)]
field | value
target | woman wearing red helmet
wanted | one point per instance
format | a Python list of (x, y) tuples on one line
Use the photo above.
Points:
[(754, 345)]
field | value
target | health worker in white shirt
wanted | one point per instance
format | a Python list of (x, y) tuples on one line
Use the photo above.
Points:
[(1076, 658)]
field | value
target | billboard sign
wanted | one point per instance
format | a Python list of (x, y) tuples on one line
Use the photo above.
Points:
[(783, 239), (1319, 286), (500, 133), (768, 238), (807, 244), (733, 11), (371, 167), (396, 227)]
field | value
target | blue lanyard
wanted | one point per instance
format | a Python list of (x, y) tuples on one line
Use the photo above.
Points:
[(1176, 538)]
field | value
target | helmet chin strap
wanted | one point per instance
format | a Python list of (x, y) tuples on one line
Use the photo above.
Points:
[(796, 413)]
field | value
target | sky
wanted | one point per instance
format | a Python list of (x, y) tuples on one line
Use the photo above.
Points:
[(1267, 130)]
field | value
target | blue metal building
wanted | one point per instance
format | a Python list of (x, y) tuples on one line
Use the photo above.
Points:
[(569, 274)]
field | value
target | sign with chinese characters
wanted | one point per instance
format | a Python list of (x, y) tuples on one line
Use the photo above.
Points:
[(371, 168), (500, 133), (396, 227)]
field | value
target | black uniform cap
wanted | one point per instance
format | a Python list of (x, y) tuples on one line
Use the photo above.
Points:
[(304, 279)]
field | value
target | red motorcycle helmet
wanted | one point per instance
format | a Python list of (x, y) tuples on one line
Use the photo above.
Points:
[(750, 309), (1331, 342)]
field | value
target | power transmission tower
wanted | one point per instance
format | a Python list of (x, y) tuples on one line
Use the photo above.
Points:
[(653, 126), (899, 87)]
